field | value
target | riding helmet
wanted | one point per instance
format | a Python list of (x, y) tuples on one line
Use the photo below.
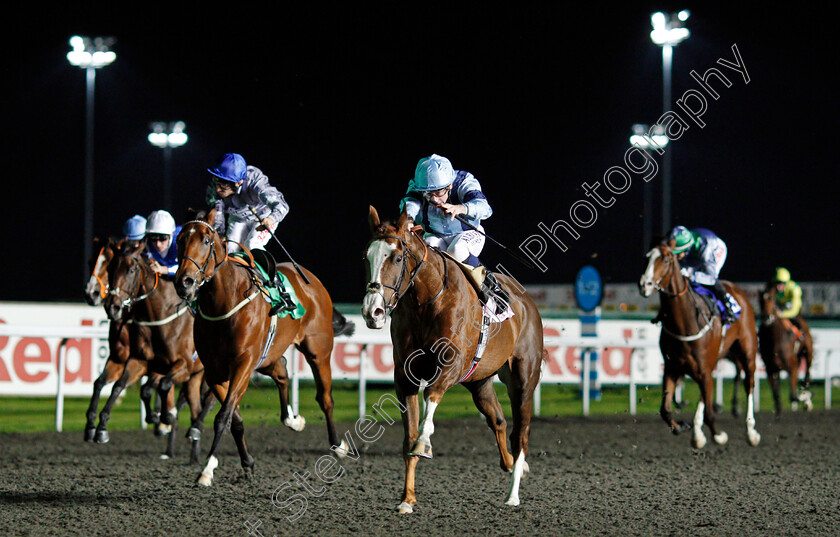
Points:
[(231, 167), (160, 223), (683, 238), (433, 173), (134, 228), (782, 275)]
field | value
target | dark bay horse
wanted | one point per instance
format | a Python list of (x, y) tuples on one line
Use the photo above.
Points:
[(233, 328), (693, 340), (435, 326), (119, 368), (781, 350), (160, 328)]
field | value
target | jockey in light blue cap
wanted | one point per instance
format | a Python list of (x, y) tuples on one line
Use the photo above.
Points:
[(134, 228), (435, 197)]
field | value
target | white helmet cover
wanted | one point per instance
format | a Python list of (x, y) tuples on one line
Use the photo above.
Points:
[(160, 223), (433, 173)]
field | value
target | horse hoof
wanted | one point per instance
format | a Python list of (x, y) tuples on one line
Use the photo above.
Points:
[(204, 480), (102, 437), (296, 423), (698, 442), (512, 501), (164, 457), (794, 406), (809, 406), (421, 450), (341, 450), (405, 508), (89, 434), (753, 438), (721, 438), (525, 469), (163, 430), (194, 434), (153, 418)]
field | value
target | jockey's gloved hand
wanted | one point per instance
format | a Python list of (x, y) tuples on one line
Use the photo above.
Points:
[(687, 272)]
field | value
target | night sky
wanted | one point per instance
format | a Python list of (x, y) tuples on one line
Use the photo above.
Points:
[(337, 107)]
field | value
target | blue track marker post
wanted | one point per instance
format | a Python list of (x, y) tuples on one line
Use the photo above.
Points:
[(589, 291)]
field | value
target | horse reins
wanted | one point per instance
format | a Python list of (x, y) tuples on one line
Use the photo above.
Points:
[(658, 287)]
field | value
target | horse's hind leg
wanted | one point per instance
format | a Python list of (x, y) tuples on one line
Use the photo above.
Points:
[(317, 354), (200, 399), (101, 435), (170, 440), (773, 380), (736, 385), (485, 399), (524, 376), (279, 374), (753, 437)]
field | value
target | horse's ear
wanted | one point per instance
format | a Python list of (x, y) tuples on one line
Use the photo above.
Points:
[(373, 219), (405, 222), (191, 214), (210, 217)]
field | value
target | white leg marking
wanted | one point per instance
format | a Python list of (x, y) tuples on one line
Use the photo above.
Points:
[(753, 438), (518, 469), (427, 428), (698, 439), (295, 423), (342, 449), (206, 477), (405, 508)]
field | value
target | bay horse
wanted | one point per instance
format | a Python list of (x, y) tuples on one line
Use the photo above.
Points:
[(235, 336), (781, 350), (435, 325), (160, 328), (119, 368), (692, 341)]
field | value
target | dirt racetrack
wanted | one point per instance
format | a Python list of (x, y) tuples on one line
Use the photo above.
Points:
[(599, 476)]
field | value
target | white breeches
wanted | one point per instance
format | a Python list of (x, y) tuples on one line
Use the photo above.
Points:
[(460, 245)]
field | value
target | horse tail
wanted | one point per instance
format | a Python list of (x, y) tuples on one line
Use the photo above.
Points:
[(341, 326)]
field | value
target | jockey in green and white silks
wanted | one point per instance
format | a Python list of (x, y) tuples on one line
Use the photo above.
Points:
[(235, 189), (435, 196), (702, 254)]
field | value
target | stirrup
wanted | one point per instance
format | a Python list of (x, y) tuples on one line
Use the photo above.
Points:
[(285, 304)]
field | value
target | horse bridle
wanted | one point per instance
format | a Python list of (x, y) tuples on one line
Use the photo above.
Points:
[(396, 295), (202, 268), (103, 286), (672, 262), (128, 302)]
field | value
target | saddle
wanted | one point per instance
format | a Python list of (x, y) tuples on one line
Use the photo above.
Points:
[(716, 306), (273, 284), (485, 285)]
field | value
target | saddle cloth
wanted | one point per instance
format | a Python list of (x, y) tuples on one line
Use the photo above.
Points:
[(711, 299), (270, 293)]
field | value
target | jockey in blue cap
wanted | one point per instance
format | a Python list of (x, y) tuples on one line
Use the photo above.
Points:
[(702, 254), (435, 197), (238, 188)]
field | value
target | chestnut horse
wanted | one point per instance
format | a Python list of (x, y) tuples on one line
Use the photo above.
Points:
[(118, 369), (693, 340), (435, 325), (160, 328), (232, 330), (781, 350)]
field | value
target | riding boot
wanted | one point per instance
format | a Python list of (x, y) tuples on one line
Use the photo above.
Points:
[(285, 302), (720, 294), (491, 287)]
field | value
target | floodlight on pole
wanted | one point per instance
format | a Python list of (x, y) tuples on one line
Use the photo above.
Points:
[(668, 32), (167, 136), (90, 54), (651, 140)]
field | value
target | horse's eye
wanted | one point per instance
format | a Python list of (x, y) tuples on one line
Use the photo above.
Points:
[(398, 259), (206, 240)]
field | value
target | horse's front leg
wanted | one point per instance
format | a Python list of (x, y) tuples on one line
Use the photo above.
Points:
[(669, 385), (178, 374), (706, 414), (407, 396), (220, 425)]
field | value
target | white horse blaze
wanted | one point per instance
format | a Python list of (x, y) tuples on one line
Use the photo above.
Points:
[(518, 470), (377, 253), (647, 277)]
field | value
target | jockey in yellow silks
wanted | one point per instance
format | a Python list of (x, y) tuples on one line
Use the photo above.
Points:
[(788, 296)]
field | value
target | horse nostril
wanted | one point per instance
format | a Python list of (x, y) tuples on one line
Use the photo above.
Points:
[(188, 282), (378, 312)]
